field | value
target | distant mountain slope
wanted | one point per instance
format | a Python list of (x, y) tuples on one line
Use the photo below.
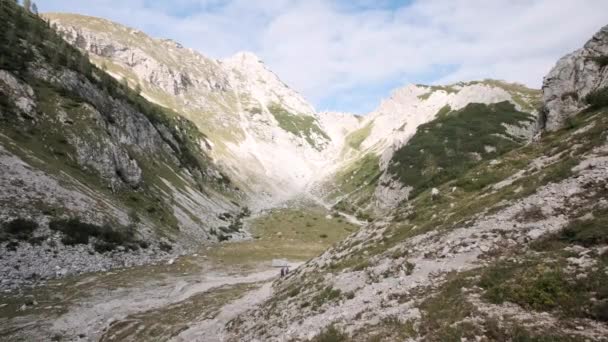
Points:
[(264, 134), (402, 146), (92, 175)]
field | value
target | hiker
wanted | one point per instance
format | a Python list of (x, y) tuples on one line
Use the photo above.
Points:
[(286, 270), (282, 272)]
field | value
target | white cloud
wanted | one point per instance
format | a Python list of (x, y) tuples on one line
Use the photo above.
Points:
[(327, 50)]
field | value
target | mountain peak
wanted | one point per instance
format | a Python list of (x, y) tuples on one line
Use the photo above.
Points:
[(245, 57)]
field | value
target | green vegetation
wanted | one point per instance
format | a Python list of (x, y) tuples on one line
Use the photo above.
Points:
[(304, 126), (602, 61), (444, 111), (598, 98), (76, 232), (358, 179), (326, 295), (450, 145), (20, 229), (294, 234), (331, 334), (448, 89), (587, 233), (355, 138), (443, 313), (543, 284)]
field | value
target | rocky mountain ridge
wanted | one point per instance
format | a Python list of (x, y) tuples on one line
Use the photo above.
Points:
[(267, 137), (264, 134), (513, 249)]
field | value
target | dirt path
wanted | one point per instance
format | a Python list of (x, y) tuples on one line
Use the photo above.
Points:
[(212, 330), (195, 304)]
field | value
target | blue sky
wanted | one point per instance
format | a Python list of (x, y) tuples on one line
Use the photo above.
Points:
[(348, 55)]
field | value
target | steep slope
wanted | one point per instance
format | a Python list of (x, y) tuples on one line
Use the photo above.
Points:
[(575, 76), (264, 134), (93, 175), (421, 126), (512, 249)]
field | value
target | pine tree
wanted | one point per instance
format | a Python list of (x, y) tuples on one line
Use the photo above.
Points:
[(27, 4), (138, 88), (34, 8)]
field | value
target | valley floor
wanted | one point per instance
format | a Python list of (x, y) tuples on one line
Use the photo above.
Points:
[(187, 299)]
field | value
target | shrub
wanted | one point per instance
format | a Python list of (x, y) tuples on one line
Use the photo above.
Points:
[(75, 231), (108, 238), (323, 236), (330, 334), (103, 246), (328, 294), (587, 233), (165, 246), (597, 99), (21, 229), (602, 61)]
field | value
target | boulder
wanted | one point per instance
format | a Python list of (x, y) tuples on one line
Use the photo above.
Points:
[(573, 77)]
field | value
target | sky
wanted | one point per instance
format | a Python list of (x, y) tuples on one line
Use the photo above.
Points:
[(347, 55)]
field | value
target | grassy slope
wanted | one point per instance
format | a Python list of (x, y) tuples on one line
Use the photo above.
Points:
[(295, 234), (304, 126), (443, 148)]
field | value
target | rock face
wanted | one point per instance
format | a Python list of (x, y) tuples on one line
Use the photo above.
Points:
[(266, 136), (573, 77)]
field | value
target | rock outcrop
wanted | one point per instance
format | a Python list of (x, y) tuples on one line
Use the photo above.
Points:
[(93, 176), (574, 77)]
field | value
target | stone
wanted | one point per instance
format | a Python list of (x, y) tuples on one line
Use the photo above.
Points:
[(571, 79)]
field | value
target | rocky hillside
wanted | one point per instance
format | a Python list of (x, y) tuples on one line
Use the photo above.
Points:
[(511, 248), (577, 75), (263, 133), (92, 174), (424, 135), (267, 137)]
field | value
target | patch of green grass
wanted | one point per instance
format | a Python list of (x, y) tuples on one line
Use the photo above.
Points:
[(355, 138), (363, 172), (299, 125), (588, 233), (445, 110), (331, 334), (328, 294), (442, 313), (542, 284), (294, 234)]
